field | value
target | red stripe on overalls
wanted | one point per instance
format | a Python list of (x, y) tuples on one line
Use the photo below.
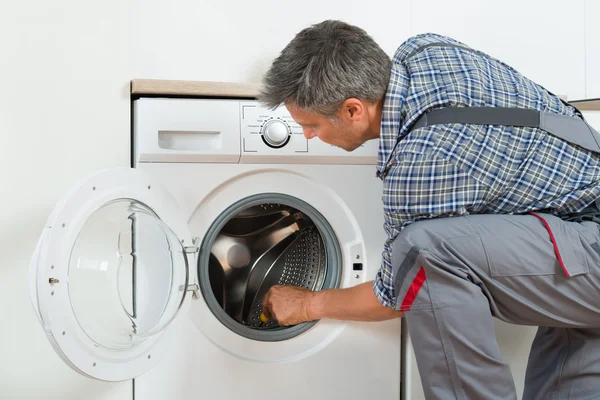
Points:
[(553, 243), (413, 290)]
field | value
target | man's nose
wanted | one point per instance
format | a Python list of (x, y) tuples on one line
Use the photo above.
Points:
[(309, 133)]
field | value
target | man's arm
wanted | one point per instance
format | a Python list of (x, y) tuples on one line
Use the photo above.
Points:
[(418, 187), (291, 305), (357, 303)]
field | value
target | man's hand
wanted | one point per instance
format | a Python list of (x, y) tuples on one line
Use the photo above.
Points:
[(291, 305), (288, 305)]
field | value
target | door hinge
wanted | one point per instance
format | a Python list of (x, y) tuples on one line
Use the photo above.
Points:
[(194, 248), (191, 249), (194, 288)]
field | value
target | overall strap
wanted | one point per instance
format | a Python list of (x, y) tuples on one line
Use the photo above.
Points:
[(573, 130)]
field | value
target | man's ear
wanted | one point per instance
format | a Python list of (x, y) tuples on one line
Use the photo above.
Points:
[(352, 109)]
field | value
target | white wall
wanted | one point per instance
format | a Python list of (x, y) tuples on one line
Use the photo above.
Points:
[(544, 40), (220, 41), (592, 41), (64, 109), (64, 112)]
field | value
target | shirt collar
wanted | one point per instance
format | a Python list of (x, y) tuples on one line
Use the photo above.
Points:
[(391, 117)]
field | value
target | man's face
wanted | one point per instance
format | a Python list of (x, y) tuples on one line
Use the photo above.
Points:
[(346, 133)]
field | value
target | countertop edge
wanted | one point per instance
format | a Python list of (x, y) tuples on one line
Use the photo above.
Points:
[(194, 88)]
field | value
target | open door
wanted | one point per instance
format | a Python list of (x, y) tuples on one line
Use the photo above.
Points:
[(110, 274)]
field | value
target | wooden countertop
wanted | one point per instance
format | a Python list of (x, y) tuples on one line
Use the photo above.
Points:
[(587, 105), (194, 88)]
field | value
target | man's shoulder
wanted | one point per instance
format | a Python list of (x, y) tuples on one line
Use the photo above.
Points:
[(412, 44)]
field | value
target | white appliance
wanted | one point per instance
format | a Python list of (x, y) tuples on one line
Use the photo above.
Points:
[(156, 272)]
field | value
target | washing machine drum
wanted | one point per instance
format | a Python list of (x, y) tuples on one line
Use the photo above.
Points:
[(263, 246)]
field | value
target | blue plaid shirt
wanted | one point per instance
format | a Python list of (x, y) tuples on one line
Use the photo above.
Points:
[(459, 169)]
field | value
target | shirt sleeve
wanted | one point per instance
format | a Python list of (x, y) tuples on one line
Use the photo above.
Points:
[(420, 187)]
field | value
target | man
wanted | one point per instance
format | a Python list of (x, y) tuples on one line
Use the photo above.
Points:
[(483, 211)]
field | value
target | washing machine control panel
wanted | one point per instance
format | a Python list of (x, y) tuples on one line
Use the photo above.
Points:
[(270, 131), (230, 131), (273, 134)]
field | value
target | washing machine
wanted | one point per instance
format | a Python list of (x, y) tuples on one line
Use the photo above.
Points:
[(157, 272)]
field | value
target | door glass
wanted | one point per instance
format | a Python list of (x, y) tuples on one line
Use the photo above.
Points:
[(127, 275)]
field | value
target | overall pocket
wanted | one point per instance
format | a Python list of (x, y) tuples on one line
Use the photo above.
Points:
[(536, 244)]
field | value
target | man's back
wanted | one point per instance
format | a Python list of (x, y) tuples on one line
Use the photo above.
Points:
[(503, 169), (458, 169)]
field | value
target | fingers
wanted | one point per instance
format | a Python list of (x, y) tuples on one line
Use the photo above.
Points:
[(266, 305)]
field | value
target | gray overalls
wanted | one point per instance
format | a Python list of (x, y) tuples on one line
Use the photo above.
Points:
[(454, 274)]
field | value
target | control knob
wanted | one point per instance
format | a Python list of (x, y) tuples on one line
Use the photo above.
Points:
[(275, 133)]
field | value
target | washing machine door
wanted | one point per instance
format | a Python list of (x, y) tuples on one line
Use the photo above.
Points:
[(110, 274)]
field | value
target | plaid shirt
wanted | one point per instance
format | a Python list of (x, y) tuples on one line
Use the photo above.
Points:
[(460, 169)]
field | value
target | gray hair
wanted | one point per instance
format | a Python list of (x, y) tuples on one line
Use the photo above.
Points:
[(324, 65)]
